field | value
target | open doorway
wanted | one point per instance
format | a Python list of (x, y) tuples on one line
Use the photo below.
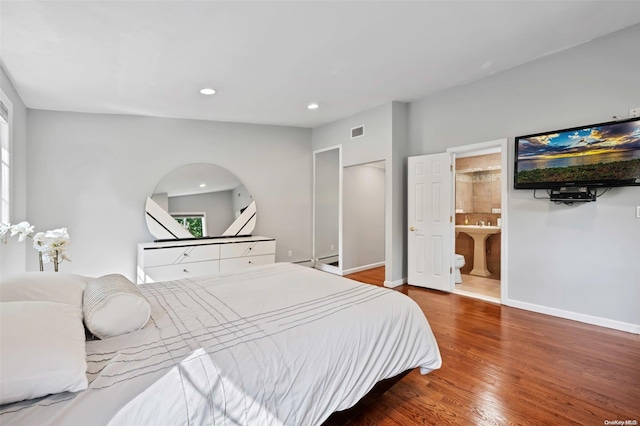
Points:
[(363, 223), (480, 190)]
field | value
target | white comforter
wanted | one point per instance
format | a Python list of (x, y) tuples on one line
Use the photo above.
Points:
[(274, 345)]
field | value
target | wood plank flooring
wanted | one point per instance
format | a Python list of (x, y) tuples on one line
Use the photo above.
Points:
[(507, 366)]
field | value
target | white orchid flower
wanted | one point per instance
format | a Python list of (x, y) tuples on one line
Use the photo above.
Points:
[(63, 256), (56, 234), (50, 244), (49, 255), (38, 241), (58, 244), (23, 229)]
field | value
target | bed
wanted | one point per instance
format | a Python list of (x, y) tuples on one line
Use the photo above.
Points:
[(279, 344)]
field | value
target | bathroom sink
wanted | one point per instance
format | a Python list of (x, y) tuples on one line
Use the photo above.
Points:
[(479, 235), (478, 229)]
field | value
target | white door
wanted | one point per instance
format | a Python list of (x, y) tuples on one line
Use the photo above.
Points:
[(430, 221)]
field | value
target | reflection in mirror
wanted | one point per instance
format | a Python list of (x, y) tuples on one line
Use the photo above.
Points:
[(200, 200), (327, 189)]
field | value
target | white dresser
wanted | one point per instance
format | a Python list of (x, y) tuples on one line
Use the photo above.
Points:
[(172, 260)]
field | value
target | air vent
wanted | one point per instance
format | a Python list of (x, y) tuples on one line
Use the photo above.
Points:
[(356, 132)]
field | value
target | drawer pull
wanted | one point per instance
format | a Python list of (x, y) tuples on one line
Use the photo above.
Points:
[(185, 254), (184, 270), (250, 248), (249, 261)]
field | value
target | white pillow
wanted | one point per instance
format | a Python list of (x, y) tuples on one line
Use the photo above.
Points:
[(42, 350), (44, 286), (113, 305)]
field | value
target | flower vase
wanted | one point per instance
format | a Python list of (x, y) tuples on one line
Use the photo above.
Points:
[(55, 260), (40, 261)]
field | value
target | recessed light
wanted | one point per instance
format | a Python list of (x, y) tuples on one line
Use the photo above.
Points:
[(202, 185), (313, 106), (207, 91)]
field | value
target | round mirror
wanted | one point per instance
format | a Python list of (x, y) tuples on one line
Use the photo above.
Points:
[(198, 201)]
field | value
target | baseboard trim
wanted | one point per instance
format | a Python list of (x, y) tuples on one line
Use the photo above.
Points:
[(363, 268), (395, 283), (588, 319)]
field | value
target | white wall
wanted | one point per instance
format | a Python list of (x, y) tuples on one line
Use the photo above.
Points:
[(12, 254), (93, 172), (375, 145), (582, 259), (364, 218)]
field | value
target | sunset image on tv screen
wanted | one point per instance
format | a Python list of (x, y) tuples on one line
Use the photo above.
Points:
[(601, 152)]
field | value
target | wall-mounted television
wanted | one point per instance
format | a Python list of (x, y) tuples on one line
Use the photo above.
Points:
[(593, 156)]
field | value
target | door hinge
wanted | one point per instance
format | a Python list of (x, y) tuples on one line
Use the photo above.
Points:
[(450, 219), (450, 167), (450, 270)]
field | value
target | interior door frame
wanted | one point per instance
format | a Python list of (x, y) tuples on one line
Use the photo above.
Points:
[(319, 265), (504, 201)]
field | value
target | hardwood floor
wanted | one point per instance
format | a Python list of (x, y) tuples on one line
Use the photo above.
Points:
[(507, 366)]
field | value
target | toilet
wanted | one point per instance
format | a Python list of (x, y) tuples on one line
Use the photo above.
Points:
[(458, 263)]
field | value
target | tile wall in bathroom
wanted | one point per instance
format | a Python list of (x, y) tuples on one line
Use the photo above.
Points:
[(480, 162)]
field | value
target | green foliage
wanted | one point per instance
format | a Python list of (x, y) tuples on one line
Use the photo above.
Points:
[(194, 225), (619, 170), (191, 224)]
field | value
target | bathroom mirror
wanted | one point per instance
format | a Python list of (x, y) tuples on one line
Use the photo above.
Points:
[(198, 201), (478, 191), (478, 183)]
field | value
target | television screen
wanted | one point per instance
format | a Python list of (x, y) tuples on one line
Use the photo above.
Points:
[(598, 155)]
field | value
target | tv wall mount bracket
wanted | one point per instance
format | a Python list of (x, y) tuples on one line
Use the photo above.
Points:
[(572, 194)]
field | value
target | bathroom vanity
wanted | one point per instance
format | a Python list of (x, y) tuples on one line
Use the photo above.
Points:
[(480, 234)]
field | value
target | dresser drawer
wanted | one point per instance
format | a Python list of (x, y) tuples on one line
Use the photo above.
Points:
[(176, 272), (252, 248), (240, 263), (180, 255)]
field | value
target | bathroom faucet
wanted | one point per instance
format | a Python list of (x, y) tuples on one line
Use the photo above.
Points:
[(482, 223)]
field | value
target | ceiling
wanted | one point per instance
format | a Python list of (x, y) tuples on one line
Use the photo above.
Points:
[(268, 60)]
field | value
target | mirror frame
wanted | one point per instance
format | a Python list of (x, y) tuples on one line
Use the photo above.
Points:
[(319, 265)]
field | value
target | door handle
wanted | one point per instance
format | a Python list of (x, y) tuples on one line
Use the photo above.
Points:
[(412, 229)]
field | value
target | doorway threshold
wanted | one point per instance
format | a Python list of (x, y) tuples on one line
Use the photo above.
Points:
[(477, 296)]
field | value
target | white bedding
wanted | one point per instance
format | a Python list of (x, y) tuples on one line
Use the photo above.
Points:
[(272, 345)]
